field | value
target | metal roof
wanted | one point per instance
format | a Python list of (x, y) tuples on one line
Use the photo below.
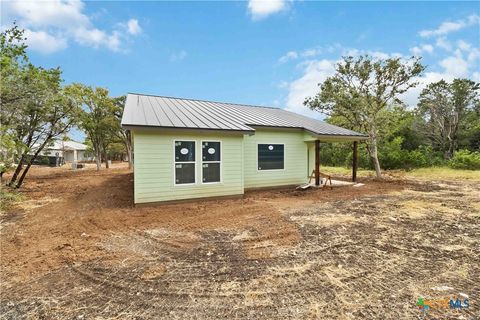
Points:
[(67, 145), (168, 112)]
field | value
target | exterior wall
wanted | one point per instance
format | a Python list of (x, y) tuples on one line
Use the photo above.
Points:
[(81, 155), (296, 162), (69, 156), (154, 166)]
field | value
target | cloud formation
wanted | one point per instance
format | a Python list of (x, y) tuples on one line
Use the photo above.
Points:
[(51, 25), (447, 27), (260, 9), (456, 59)]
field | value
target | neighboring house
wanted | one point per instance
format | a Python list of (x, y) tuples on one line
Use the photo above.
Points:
[(187, 148), (60, 152)]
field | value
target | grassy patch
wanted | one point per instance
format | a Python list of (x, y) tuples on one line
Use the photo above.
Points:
[(444, 173), (9, 197), (433, 173)]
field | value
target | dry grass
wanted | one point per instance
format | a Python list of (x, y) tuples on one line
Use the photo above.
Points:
[(426, 174)]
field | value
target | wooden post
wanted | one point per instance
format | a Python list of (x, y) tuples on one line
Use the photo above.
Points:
[(317, 162), (355, 161)]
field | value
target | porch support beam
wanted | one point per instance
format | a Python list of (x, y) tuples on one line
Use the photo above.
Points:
[(355, 161), (317, 163)]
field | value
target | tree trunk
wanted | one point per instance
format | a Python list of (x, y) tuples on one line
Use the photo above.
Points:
[(372, 150), (98, 159), (30, 162), (129, 155), (24, 173), (106, 160), (17, 171)]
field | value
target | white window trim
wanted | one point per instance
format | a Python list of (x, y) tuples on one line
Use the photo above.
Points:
[(175, 184), (284, 157), (221, 161)]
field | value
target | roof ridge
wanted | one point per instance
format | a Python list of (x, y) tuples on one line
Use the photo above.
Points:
[(203, 100)]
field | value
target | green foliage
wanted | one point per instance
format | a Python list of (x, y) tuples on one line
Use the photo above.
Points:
[(8, 198), (393, 156), (35, 107), (98, 118), (450, 110), (465, 159), (359, 93)]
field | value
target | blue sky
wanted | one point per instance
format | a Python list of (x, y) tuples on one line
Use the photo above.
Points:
[(256, 52)]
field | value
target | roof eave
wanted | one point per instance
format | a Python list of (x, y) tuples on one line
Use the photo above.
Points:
[(174, 129)]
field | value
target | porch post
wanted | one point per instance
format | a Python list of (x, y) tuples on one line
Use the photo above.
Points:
[(355, 161), (317, 162)]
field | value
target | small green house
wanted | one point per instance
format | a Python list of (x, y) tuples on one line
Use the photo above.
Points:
[(188, 149)]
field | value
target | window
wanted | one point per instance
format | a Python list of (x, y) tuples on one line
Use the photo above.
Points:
[(211, 161), (184, 162), (271, 156)]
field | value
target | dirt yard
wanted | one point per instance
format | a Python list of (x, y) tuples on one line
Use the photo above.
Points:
[(76, 248)]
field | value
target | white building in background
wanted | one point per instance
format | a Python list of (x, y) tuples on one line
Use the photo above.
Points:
[(69, 151)]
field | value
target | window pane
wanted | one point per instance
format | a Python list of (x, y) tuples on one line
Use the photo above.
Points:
[(211, 172), (184, 173), (210, 151), (184, 151), (270, 156)]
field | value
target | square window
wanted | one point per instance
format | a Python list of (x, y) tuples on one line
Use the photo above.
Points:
[(184, 151), (184, 173), (211, 172), (271, 156), (210, 151)]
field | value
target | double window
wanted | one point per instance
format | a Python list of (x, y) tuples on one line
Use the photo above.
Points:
[(271, 156), (185, 162)]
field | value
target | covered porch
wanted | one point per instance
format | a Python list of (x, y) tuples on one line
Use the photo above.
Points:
[(315, 158)]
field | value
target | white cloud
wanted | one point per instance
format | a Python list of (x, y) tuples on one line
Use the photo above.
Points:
[(178, 56), (314, 72), (59, 21), (455, 66), (418, 50), (44, 42), (461, 62), (450, 26), (443, 43), (291, 55), (133, 27), (260, 9)]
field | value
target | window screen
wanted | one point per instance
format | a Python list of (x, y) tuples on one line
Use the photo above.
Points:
[(184, 151), (210, 151), (271, 156), (184, 162), (211, 161)]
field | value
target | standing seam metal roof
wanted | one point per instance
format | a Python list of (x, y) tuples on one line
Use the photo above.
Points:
[(160, 111)]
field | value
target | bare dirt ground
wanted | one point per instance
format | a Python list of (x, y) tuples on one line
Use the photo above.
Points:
[(76, 248)]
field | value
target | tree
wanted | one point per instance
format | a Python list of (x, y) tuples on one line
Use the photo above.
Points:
[(97, 118), (360, 91), (35, 107), (123, 134), (445, 106)]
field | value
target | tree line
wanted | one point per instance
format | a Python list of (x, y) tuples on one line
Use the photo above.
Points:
[(37, 108), (365, 95)]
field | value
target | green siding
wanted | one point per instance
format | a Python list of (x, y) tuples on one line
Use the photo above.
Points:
[(154, 164), (296, 164), (154, 167)]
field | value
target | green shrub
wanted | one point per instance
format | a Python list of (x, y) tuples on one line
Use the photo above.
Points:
[(464, 159), (8, 198)]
